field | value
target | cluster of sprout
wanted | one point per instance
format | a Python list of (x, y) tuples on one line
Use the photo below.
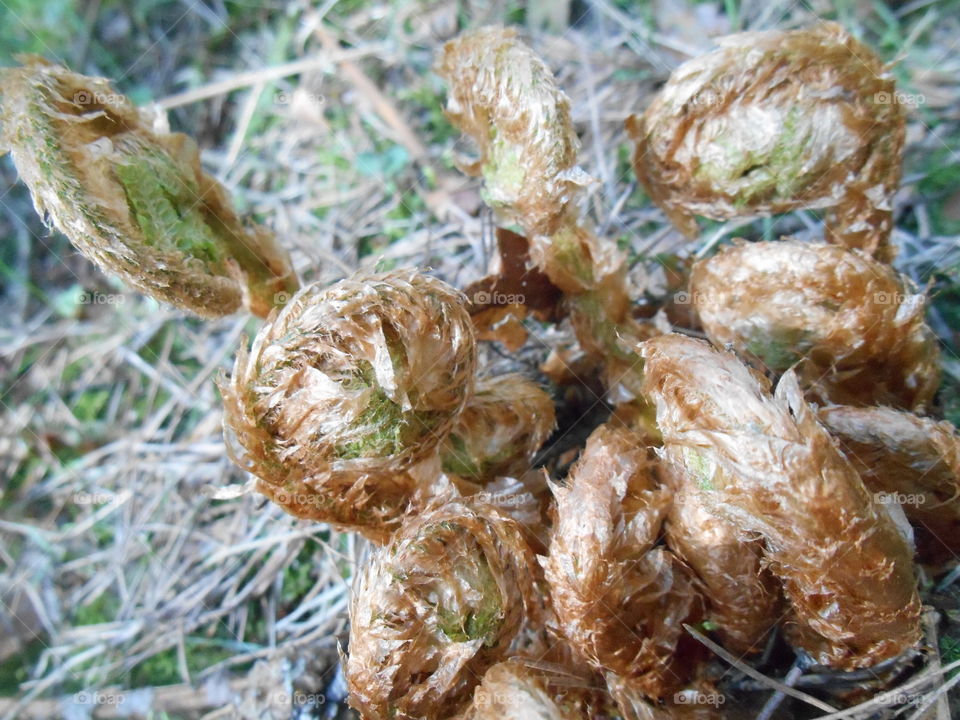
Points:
[(738, 487)]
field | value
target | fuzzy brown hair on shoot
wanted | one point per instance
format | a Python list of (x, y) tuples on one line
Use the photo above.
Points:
[(853, 327), (620, 601), (134, 200), (507, 100), (345, 390), (775, 121), (503, 424), (512, 690), (770, 469), (444, 601), (743, 598), (909, 461)]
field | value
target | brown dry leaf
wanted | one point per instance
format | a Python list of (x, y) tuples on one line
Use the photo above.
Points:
[(853, 326), (568, 364), (774, 121), (135, 201), (678, 307), (909, 461), (514, 288), (345, 390), (435, 609), (769, 468), (619, 600), (502, 324), (513, 276)]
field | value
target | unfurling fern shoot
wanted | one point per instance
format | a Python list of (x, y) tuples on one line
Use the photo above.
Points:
[(134, 200), (345, 390), (774, 121), (444, 601)]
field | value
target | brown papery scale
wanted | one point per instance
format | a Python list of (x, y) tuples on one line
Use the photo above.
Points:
[(132, 199), (621, 602), (512, 690), (435, 609), (345, 390), (853, 327), (770, 469), (775, 121), (910, 461), (742, 597), (515, 690), (503, 424)]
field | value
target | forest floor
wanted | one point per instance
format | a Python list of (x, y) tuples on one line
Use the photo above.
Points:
[(126, 586)]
